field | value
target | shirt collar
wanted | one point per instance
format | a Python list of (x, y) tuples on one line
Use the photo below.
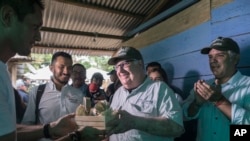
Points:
[(234, 79), (53, 86), (146, 81)]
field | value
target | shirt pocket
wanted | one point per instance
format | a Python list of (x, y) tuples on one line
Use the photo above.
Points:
[(144, 106)]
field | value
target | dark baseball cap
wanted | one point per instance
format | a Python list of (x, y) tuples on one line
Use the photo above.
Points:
[(222, 44), (125, 53)]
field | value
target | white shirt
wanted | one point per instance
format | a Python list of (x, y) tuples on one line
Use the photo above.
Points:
[(53, 104), (150, 99), (7, 102)]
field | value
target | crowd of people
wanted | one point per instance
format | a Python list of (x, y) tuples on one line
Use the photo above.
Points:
[(145, 105)]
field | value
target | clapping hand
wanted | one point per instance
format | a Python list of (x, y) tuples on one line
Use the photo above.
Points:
[(206, 92)]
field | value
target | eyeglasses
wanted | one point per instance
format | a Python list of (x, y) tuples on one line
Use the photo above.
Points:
[(124, 64)]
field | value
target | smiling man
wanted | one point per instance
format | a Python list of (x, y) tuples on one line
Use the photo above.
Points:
[(224, 100), (148, 110), (19, 29), (20, 25), (58, 97)]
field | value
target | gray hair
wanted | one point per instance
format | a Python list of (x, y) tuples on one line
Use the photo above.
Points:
[(233, 56)]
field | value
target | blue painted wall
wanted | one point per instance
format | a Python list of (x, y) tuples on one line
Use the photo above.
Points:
[(180, 54)]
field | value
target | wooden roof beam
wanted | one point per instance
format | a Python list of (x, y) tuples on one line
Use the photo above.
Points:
[(81, 33)]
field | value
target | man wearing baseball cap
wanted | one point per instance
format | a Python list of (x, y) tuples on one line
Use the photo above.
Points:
[(147, 110), (223, 100)]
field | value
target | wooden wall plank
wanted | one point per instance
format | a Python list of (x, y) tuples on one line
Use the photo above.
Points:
[(184, 43), (190, 17), (218, 3)]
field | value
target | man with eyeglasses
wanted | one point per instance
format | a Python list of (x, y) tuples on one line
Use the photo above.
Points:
[(147, 110)]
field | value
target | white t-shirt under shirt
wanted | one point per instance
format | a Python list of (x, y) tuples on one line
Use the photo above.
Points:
[(7, 102)]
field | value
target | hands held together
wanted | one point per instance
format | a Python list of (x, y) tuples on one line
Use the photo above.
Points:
[(66, 125), (205, 92), (118, 122)]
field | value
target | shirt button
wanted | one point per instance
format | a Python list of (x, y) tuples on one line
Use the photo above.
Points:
[(216, 118), (214, 133)]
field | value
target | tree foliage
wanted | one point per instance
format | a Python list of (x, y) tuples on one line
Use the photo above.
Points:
[(99, 62)]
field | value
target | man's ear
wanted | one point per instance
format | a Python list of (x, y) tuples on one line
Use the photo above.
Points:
[(6, 15), (141, 62), (237, 59)]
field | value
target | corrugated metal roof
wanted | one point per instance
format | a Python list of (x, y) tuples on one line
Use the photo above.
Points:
[(93, 27)]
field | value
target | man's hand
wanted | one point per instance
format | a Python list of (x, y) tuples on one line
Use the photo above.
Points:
[(63, 126), (208, 92), (122, 122), (199, 99)]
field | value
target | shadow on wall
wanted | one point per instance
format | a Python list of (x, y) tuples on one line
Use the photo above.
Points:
[(190, 78), (244, 64), (169, 69)]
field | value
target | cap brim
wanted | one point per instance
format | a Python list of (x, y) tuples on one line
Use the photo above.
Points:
[(114, 60), (205, 50)]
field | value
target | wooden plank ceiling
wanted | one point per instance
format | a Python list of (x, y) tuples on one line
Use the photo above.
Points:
[(93, 27)]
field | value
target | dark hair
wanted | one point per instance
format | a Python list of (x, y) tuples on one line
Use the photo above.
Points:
[(153, 64), (162, 72), (60, 53), (97, 75), (23, 7), (79, 65)]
